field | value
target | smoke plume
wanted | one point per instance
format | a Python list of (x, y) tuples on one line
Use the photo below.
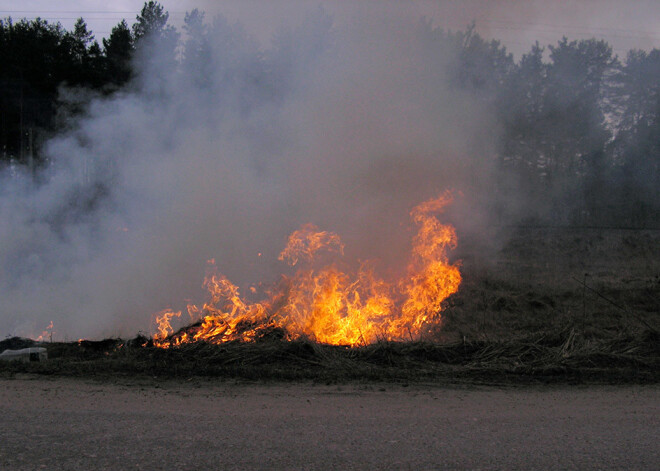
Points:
[(343, 125)]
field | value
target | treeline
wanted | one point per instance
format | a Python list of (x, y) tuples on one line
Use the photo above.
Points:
[(40, 59), (581, 133), (578, 138)]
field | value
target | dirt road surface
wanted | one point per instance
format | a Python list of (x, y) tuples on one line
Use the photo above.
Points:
[(64, 424)]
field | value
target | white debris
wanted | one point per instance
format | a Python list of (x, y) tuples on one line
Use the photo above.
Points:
[(25, 354)]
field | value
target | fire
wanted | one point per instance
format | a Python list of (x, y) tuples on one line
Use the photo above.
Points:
[(326, 304), (307, 241), (46, 334)]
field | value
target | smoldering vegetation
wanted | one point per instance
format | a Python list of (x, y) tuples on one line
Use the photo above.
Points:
[(222, 147)]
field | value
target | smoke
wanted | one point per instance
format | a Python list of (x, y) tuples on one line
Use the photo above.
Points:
[(344, 125)]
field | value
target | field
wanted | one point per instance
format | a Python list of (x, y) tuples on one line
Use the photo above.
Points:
[(548, 305)]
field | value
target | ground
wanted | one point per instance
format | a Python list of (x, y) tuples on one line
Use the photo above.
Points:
[(80, 424), (512, 378)]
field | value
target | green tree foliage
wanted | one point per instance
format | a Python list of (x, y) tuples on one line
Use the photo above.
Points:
[(520, 113), (556, 132), (573, 104), (156, 43), (84, 64), (152, 23), (151, 32), (223, 62), (636, 148), (197, 49), (522, 110), (34, 58), (483, 67), (118, 49), (39, 58)]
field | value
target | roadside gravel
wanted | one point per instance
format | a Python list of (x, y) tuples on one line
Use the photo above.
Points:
[(75, 424)]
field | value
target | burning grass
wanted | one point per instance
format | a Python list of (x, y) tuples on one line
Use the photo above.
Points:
[(502, 326), (326, 304)]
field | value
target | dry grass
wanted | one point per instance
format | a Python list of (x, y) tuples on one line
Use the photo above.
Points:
[(530, 315), (569, 355)]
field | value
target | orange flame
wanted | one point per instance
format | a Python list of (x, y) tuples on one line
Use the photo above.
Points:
[(46, 334), (327, 305), (307, 241)]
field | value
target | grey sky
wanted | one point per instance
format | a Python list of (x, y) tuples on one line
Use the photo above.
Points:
[(517, 23)]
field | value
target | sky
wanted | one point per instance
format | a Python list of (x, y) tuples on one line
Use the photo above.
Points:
[(517, 23)]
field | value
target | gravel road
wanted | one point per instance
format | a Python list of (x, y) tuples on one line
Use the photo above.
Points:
[(65, 424)]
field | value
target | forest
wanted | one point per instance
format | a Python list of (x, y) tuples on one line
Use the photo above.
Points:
[(578, 128)]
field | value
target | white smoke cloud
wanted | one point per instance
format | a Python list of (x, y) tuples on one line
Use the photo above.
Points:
[(345, 125)]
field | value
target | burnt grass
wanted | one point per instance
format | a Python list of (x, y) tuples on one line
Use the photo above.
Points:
[(574, 307)]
